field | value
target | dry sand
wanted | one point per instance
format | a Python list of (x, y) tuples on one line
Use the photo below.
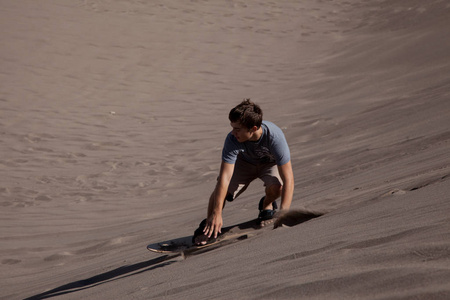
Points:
[(112, 118)]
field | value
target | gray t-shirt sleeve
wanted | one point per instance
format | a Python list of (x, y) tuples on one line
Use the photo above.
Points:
[(279, 146)]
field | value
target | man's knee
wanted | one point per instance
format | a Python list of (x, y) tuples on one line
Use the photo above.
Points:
[(274, 190), (229, 197)]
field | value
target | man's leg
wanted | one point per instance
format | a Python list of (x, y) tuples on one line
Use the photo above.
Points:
[(273, 183), (244, 173), (273, 192)]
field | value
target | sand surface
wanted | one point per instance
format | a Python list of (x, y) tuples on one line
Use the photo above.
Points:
[(112, 118)]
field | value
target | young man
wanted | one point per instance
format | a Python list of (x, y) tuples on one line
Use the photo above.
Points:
[(253, 149)]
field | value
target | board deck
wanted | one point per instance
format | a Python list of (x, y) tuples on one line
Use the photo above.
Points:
[(235, 232), (232, 233)]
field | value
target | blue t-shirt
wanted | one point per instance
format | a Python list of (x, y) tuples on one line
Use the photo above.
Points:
[(270, 148)]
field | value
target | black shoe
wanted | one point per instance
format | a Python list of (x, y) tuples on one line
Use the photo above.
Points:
[(261, 203), (199, 230), (266, 214)]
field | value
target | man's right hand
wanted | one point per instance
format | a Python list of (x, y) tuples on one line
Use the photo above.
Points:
[(213, 226)]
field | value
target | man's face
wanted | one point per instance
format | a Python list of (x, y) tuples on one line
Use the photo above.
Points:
[(241, 133)]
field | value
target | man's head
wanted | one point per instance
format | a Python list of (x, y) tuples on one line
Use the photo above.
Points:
[(247, 114), (246, 120)]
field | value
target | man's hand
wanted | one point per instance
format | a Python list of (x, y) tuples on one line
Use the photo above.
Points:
[(213, 226)]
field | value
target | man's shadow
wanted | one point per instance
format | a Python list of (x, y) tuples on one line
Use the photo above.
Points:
[(109, 276)]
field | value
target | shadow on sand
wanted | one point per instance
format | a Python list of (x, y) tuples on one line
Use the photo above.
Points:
[(107, 277)]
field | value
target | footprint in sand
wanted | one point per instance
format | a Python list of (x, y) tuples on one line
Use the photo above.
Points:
[(44, 198), (395, 192), (58, 256), (10, 261)]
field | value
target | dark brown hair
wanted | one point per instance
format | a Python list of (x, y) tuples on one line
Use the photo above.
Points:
[(247, 113)]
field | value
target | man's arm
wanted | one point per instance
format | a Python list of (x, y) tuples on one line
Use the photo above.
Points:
[(287, 192), (216, 201)]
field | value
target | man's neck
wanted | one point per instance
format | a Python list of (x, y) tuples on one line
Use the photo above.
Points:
[(257, 135)]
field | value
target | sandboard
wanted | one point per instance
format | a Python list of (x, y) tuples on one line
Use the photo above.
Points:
[(232, 234), (229, 234)]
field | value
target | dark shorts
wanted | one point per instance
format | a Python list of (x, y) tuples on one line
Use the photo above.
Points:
[(244, 173)]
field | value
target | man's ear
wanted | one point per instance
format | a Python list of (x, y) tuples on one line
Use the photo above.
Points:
[(254, 128)]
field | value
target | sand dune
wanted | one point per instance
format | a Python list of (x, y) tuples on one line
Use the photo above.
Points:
[(112, 118)]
